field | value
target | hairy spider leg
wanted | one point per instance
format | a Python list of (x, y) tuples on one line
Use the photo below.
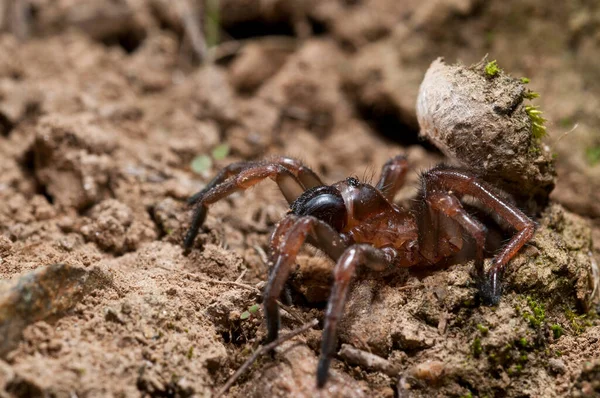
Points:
[(449, 205), (294, 235), (393, 176), (461, 183), (292, 177), (354, 256)]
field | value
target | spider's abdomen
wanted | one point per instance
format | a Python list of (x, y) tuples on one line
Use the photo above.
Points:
[(325, 203)]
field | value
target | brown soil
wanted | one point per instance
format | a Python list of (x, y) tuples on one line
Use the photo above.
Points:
[(103, 110)]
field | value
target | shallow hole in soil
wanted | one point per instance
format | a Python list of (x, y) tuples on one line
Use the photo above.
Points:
[(128, 40), (387, 123), (249, 29)]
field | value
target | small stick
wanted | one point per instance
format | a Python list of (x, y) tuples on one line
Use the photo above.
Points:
[(239, 278), (367, 360), (193, 28), (290, 311), (262, 350)]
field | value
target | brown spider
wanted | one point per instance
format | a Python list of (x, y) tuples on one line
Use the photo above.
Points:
[(355, 224)]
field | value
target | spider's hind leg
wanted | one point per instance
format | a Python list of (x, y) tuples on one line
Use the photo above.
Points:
[(445, 185)]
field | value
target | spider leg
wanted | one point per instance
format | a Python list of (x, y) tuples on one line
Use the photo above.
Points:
[(450, 206), (288, 238), (462, 183), (305, 175), (353, 256), (302, 177), (393, 174)]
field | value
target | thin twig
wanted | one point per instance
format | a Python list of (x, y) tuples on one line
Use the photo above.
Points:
[(261, 253), (367, 360), (199, 278), (193, 28), (262, 350), (290, 311), (239, 278)]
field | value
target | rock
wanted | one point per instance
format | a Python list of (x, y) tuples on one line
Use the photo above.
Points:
[(37, 295), (480, 119), (557, 366)]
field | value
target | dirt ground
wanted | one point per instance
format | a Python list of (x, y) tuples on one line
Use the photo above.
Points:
[(108, 124)]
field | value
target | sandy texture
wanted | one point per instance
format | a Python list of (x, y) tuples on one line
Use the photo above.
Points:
[(103, 112)]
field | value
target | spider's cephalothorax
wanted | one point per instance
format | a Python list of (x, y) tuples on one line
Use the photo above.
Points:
[(357, 224)]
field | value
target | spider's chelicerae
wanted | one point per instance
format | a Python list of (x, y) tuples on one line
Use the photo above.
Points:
[(357, 224)]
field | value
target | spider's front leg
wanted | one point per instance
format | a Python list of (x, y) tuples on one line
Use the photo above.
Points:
[(345, 268), (286, 241), (291, 176), (393, 175), (442, 187)]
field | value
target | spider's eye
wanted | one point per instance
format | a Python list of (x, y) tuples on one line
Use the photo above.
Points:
[(325, 203)]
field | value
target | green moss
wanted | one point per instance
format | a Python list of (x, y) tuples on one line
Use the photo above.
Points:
[(476, 347), (467, 395), (190, 353), (515, 370), (525, 80), (492, 69), (531, 95), (557, 330), (538, 129), (522, 342), (535, 314), (482, 329), (578, 323)]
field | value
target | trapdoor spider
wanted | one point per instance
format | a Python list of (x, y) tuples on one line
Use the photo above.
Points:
[(357, 224)]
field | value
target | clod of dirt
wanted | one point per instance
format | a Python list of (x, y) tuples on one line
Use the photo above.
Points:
[(307, 88), (72, 159), (45, 292), (114, 228), (384, 89), (208, 95), (557, 265), (257, 62), (113, 23), (478, 116)]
